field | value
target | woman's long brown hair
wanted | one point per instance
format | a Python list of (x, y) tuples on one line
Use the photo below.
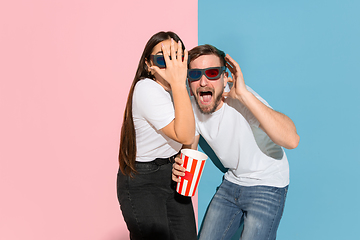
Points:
[(127, 152)]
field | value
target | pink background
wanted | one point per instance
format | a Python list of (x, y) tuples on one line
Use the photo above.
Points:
[(65, 70)]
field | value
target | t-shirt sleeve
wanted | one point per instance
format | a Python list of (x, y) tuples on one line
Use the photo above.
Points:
[(154, 103), (258, 96), (248, 114)]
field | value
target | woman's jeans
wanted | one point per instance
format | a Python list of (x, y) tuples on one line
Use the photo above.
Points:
[(259, 208), (151, 207)]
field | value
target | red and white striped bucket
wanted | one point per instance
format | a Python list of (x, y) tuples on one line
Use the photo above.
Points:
[(194, 162)]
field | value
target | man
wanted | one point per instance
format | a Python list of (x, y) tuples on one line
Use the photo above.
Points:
[(247, 135)]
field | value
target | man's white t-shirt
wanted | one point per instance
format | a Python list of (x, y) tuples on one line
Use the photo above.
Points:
[(249, 154), (152, 109)]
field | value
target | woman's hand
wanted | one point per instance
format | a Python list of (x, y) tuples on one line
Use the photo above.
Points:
[(176, 67), (178, 170)]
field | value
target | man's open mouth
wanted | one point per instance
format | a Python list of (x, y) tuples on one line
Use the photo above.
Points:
[(205, 97)]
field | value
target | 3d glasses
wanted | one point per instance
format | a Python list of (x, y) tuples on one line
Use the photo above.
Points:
[(159, 60), (211, 73)]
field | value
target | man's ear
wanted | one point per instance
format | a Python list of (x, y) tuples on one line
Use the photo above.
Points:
[(226, 75)]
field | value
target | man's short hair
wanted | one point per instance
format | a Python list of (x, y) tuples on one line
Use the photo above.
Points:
[(206, 49)]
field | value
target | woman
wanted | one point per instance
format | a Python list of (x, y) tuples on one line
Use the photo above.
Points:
[(158, 120)]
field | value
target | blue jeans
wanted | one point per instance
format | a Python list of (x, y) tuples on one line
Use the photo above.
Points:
[(151, 207), (258, 208)]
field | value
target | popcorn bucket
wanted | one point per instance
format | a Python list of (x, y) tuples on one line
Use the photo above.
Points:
[(194, 162)]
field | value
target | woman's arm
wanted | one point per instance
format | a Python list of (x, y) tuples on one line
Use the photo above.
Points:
[(182, 128)]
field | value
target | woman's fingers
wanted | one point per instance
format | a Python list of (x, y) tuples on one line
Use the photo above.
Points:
[(179, 161), (179, 51), (166, 53), (172, 50), (186, 56), (177, 171)]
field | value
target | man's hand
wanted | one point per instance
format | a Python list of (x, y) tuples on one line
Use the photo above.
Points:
[(239, 88), (178, 170), (276, 125)]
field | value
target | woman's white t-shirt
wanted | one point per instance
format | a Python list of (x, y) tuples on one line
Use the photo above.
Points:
[(153, 109)]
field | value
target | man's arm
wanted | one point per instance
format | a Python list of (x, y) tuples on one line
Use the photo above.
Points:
[(276, 125), (179, 170)]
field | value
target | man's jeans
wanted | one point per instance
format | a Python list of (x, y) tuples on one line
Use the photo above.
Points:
[(259, 208), (151, 207)]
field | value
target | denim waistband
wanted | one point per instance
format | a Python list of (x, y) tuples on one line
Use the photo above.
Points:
[(159, 161)]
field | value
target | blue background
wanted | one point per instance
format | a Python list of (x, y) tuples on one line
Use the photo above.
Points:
[(303, 58)]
